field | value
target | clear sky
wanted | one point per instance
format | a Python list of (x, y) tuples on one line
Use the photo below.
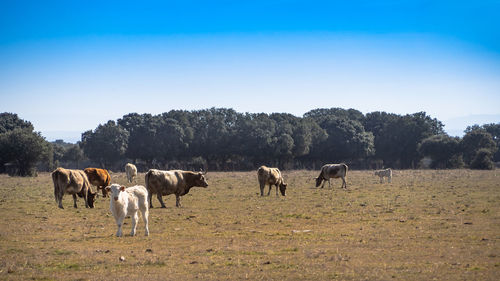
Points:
[(68, 66)]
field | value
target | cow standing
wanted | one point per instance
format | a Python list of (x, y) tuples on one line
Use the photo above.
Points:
[(384, 173), (329, 171), (73, 182), (176, 182), (271, 176), (131, 171), (100, 178), (127, 202)]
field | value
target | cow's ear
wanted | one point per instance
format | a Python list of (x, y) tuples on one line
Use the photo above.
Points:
[(122, 188)]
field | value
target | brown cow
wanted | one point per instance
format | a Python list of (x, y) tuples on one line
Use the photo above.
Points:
[(100, 178), (329, 171), (172, 182), (72, 182), (271, 176)]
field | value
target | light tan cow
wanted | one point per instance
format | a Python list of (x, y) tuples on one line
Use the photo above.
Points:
[(73, 182), (271, 176), (131, 171), (384, 173), (176, 182)]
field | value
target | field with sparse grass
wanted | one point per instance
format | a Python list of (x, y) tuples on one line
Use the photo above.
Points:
[(425, 225)]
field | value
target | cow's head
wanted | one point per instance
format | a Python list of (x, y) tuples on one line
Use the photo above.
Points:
[(283, 188), (91, 196), (319, 180), (200, 180), (115, 190)]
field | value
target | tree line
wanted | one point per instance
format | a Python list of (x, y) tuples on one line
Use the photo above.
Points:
[(223, 139)]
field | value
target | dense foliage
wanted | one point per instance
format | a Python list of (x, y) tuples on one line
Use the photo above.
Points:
[(223, 139), (20, 147)]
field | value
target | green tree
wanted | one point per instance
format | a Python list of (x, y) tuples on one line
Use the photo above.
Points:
[(443, 150), (10, 121), (482, 160), (494, 130), (397, 137), (347, 140), (74, 154), (320, 114), (105, 145), (142, 140), (25, 149), (474, 140)]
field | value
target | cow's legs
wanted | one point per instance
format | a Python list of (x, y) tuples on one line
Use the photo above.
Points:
[(85, 196), (150, 195), (161, 200), (269, 191), (262, 186), (323, 184), (381, 179), (74, 200), (104, 191), (59, 201), (119, 223), (277, 190), (135, 218), (389, 179), (177, 201), (145, 214), (344, 184)]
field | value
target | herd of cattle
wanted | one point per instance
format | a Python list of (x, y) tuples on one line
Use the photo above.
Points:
[(128, 201)]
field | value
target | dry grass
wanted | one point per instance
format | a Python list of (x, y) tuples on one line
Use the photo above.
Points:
[(425, 225)]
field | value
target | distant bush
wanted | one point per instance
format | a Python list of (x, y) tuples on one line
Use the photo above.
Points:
[(482, 160)]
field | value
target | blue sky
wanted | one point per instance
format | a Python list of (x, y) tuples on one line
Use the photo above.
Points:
[(67, 66)]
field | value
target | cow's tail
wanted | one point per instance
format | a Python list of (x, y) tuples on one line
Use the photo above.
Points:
[(108, 179), (57, 177), (345, 169), (54, 180), (146, 179)]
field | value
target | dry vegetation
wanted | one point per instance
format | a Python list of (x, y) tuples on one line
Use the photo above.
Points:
[(425, 225)]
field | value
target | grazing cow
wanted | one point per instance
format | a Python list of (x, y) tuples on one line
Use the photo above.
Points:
[(73, 182), (172, 182), (384, 173), (329, 171), (126, 202), (100, 178), (131, 171), (271, 176)]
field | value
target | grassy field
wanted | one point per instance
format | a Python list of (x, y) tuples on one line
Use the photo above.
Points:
[(425, 225)]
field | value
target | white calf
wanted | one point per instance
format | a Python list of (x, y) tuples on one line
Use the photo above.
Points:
[(126, 202), (384, 173), (131, 171)]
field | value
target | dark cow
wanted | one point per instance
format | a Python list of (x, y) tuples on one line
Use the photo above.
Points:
[(329, 171), (176, 182), (100, 178), (271, 176), (72, 182)]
